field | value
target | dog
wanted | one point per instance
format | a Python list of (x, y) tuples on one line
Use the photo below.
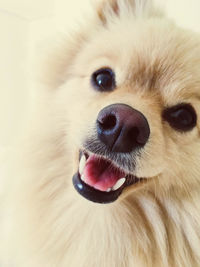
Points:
[(108, 172)]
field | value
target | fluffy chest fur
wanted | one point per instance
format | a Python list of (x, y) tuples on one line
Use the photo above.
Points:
[(144, 230)]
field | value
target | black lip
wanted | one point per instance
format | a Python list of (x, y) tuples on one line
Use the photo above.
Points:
[(94, 195), (98, 196)]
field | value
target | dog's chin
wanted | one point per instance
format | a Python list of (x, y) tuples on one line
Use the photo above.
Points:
[(100, 180)]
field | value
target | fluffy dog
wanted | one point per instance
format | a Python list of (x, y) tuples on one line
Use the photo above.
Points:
[(109, 175)]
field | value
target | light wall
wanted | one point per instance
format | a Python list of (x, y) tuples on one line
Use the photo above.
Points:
[(13, 76), (184, 12)]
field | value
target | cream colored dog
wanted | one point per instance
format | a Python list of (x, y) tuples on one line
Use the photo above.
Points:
[(109, 175)]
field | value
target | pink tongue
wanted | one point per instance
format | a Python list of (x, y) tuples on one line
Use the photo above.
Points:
[(101, 174)]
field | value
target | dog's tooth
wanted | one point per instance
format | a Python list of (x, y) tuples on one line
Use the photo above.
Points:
[(118, 184), (108, 190), (82, 178), (82, 164)]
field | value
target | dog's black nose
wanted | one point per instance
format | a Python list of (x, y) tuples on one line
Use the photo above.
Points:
[(122, 128)]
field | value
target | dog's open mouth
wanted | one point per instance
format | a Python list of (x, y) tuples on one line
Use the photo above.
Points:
[(100, 180)]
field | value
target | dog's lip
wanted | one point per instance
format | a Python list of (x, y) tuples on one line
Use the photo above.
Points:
[(98, 196), (93, 194)]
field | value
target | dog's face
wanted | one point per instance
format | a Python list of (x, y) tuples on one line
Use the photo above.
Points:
[(132, 98)]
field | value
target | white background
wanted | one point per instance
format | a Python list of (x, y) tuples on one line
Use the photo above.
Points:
[(23, 24)]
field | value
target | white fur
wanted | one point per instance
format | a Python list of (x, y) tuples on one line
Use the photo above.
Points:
[(45, 222)]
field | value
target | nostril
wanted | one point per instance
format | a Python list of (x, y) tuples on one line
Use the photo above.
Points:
[(108, 122)]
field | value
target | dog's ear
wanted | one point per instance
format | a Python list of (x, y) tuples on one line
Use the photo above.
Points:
[(109, 9)]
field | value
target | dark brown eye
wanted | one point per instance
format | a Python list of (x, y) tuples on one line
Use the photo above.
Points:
[(181, 117), (104, 80)]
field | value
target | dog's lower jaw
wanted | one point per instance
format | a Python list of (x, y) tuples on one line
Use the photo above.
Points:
[(100, 180)]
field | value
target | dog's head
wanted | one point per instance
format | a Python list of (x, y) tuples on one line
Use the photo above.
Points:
[(130, 85)]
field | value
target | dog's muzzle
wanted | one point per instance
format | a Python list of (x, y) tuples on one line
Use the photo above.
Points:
[(121, 130)]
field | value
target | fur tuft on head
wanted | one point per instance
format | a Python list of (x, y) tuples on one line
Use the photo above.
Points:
[(111, 9)]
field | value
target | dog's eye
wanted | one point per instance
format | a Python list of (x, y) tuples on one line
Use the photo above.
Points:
[(104, 80), (181, 117)]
